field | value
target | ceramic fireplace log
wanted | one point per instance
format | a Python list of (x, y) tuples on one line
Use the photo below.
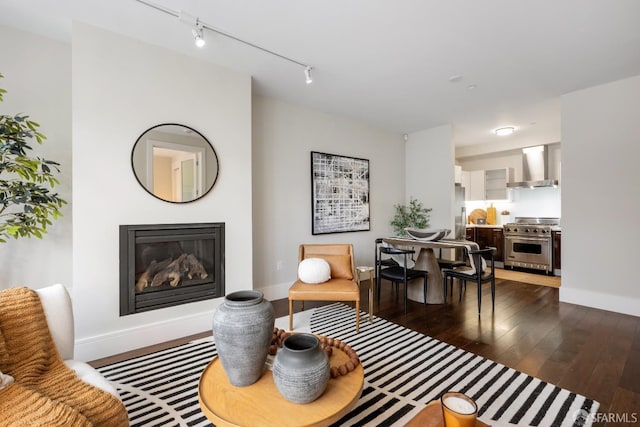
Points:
[(171, 271)]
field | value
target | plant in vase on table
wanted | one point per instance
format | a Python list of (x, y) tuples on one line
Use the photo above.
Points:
[(414, 215)]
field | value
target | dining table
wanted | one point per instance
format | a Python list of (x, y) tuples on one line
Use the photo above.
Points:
[(426, 260)]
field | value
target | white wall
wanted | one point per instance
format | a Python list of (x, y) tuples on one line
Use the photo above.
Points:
[(37, 76), (430, 173), (601, 196), (283, 137), (121, 87)]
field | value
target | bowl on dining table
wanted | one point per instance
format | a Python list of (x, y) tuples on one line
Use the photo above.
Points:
[(427, 234)]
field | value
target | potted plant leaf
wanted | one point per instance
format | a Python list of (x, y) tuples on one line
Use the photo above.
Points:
[(413, 215), (27, 204)]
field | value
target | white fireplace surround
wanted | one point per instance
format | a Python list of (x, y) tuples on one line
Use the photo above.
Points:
[(115, 97)]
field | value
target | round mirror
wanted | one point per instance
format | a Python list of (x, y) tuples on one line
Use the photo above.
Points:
[(174, 163)]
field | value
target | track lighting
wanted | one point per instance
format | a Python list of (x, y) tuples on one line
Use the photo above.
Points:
[(198, 36), (307, 75), (197, 29)]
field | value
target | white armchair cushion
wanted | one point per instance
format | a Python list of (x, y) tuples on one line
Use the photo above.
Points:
[(57, 308), (89, 375), (314, 270), (5, 380), (56, 303)]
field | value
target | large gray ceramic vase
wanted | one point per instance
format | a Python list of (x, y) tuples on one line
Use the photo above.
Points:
[(301, 368), (242, 331)]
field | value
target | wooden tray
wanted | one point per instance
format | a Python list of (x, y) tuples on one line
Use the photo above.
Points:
[(431, 416), (262, 404), (477, 214)]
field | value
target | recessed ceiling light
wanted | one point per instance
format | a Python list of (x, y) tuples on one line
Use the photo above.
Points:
[(471, 87), (455, 79), (505, 131)]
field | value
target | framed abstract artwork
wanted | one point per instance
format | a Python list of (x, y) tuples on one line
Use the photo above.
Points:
[(339, 193)]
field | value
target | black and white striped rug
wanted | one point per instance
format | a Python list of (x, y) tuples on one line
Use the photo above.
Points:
[(404, 370)]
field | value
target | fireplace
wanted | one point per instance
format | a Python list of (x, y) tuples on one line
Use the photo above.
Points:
[(162, 265)]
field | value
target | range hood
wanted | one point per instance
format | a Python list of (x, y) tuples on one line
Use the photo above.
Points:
[(535, 169)]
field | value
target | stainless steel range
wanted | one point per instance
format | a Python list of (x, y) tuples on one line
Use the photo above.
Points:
[(527, 243)]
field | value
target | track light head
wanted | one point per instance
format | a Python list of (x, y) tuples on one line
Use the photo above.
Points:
[(198, 35), (307, 75)]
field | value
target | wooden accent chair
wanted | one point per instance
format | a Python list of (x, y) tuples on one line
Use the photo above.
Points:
[(341, 287)]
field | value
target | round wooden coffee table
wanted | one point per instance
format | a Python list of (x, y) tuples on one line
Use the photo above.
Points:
[(261, 403)]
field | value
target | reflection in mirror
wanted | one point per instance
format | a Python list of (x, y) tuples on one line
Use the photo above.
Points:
[(174, 163)]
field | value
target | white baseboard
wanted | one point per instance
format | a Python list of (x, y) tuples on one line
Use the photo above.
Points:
[(112, 343), (609, 302), (275, 292)]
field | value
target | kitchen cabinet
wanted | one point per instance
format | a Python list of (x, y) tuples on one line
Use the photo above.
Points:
[(489, 184), (556, 236), (493, 237), (488, 236), (495, 183), (470, 234), (473, 182)]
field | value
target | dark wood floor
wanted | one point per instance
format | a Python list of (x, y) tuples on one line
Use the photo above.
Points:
[(592, 352)]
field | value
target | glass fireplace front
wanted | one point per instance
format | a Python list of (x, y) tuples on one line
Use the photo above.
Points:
[(162, 265)]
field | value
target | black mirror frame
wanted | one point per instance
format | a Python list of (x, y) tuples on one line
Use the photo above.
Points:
[(215, 155)]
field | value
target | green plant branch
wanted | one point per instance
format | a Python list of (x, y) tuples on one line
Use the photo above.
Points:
[(27, 205), (415, 215)]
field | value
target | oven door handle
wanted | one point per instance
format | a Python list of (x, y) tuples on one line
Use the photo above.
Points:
[(528, 239)]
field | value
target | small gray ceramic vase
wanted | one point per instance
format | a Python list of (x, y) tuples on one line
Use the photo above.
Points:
[(242, 331), (301, 368)]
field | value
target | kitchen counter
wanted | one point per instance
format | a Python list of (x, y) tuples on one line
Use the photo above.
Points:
[(553, 227)]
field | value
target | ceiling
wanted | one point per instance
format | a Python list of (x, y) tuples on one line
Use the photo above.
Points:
[(391, 63)]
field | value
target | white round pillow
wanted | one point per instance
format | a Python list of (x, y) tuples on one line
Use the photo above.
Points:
[(314, 270)]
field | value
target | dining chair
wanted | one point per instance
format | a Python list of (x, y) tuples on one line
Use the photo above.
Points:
[(476, 273), (399, 273), (387, 262), (449, 263)]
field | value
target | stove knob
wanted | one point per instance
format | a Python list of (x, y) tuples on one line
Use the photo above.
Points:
[(535, 230)]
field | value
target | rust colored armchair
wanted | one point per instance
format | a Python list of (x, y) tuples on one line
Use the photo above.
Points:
[(342, 285)]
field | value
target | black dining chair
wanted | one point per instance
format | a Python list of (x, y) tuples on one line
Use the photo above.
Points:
[(477, 275), (383, 262), (449, 263), (398, 273), (387, 262)]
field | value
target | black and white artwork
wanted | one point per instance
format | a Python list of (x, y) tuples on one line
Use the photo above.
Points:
[(339, 193)]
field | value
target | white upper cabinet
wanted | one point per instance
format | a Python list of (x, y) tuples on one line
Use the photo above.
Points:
[(495, 183), (490, 184)]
